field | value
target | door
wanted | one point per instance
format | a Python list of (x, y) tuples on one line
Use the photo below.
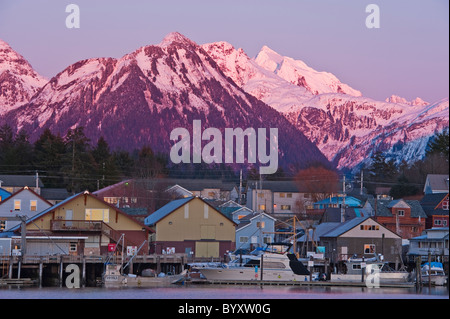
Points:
[(206, 249), (69, 217)]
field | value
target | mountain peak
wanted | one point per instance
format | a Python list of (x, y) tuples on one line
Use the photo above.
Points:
[(174, 37)]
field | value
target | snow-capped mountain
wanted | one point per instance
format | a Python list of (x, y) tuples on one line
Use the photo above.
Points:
[(298, 73), (18, 81), (346, 126), (138, 99)]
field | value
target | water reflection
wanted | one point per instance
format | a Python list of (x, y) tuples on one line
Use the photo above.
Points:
[(224, 292)]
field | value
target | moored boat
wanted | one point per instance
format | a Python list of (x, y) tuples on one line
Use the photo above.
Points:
[(267, 266), (114, 278), (433, 271), (376, 271)]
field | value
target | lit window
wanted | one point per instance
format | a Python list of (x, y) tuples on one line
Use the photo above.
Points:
[(260, 224), (369, 249), (285, 207), (33, 205), (17, 204), (282, 195), (97, 214)]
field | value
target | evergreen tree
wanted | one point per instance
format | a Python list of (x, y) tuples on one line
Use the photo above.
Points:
[(50, 158), (105, 164), (82, 173), (439, 144)]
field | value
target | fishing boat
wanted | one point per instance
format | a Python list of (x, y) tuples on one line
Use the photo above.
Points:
[(375, 267), (113, 277), (268, 265), (433, 271)]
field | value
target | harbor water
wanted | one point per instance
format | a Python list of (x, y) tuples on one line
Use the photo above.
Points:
[(224, 292)]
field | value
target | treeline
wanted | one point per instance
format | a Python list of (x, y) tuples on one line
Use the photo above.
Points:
[(75, 163), (408, 179)]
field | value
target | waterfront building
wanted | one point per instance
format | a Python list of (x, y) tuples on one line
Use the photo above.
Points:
[(82, 224), (25, 203), (192, 226)]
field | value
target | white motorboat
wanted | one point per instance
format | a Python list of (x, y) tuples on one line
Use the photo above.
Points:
[(376, 270), (268, 266), (435, 273)]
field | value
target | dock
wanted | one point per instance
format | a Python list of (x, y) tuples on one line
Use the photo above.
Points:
[(298, 283), (51, 269)]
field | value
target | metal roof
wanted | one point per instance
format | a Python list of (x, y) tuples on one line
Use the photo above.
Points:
[(166, 210)]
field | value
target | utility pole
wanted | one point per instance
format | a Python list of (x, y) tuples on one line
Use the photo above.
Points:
[(240, 187), (343, 202), (362, 181)]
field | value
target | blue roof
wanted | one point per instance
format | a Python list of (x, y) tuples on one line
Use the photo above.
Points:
[(346, 226), (4, 194), (166, 210), (46, 211), (349, 200)]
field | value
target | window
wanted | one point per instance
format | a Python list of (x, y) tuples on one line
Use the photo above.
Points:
[(33, 205), (2, 225), (241, 216), (282, 195), (267, 240), (437, 222), (73, 247), (97, 214), (111, 200), (17, 204), (262, 207), (285, 207), (243, 239), (401, 213), (369, 227), (369, 249), (289, 195), (445, 205), (260, 224), (261, 195)]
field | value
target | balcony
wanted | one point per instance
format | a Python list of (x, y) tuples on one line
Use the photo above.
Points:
[(76, 225)]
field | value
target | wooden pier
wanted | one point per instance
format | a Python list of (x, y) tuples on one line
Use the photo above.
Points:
[(52, 268)]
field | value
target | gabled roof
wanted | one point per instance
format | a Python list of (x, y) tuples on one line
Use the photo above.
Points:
[(174, 205), (23, 189), (348, 225), (345, 227), (437, 182), (382, 207), (247, 220), (68, 200), (166, 210)]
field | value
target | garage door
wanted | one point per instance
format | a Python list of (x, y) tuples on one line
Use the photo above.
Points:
[(206, 249)]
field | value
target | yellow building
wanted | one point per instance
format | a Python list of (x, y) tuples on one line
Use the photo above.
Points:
[(192, 226), (83, 224)]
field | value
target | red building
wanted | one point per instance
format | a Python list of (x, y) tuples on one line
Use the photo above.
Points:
[(436, 208), (404, 217)]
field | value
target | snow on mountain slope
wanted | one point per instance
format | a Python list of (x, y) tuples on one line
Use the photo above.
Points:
[(140, 98), (298, 73), (18, 81), (347, 128)]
